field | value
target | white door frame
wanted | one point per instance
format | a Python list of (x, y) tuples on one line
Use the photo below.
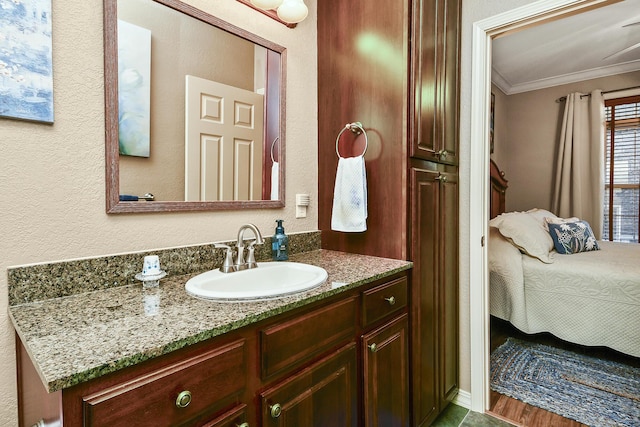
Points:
[(483, 32)]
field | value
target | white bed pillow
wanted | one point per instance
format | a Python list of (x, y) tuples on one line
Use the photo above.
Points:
[(541, 215), (527, 233)]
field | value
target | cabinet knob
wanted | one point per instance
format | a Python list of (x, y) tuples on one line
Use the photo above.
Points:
[(242, 425), (391, 300), (183, 399), (373, 347), (275, 410), (443, 154), (441, 178)]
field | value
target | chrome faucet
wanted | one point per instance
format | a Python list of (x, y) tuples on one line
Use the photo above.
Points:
[(250, 262)]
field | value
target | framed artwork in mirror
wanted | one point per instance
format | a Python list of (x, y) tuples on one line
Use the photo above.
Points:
[(491, 121), (134, 89)]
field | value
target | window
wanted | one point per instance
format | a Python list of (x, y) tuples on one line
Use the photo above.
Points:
[(622, 170)]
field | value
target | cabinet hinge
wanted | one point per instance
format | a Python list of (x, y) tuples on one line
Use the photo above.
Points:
[(482, 241)]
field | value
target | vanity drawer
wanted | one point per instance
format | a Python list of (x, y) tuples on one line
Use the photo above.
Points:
[(383, 300), (288, 344), (173, 394)]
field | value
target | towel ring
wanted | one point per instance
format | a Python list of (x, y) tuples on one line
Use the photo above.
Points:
[(273, 144), (356, 128)]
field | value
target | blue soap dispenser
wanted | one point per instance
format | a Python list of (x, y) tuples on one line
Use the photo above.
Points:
[(280, 243)]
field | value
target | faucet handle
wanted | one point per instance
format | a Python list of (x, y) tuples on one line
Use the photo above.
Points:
[(251, 258), (227, 266)]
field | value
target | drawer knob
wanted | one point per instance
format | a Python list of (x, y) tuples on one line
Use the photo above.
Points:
[(183, 399), (275, 410), (242, 425), (373, 347), (391, 300)]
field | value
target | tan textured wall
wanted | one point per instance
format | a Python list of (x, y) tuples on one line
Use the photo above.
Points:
[(534, 122), (52, 177)]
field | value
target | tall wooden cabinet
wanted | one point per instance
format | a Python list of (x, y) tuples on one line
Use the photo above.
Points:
[(394, 66), (433, 141)]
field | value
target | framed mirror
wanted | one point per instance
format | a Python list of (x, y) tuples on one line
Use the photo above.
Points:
[(195, 111)]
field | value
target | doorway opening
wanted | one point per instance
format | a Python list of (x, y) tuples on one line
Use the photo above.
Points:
[(483, 33)]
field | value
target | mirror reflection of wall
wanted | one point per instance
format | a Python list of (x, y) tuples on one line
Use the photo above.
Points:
[(180, 46)]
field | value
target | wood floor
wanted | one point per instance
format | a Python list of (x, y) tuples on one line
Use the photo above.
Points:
[(523, 414)]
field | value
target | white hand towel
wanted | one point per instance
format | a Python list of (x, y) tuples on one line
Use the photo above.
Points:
[(275, 180), (350, 196)]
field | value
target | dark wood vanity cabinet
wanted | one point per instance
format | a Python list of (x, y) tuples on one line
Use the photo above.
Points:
[(342, 361), (326, 393)]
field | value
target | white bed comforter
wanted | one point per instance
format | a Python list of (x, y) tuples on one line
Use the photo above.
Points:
[(590, 298)]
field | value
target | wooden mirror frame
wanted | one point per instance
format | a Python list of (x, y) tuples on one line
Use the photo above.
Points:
[(112, 155)]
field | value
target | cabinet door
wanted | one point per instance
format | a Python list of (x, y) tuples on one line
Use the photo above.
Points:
[(435, 63), (324, 394), (386, 371), (448, 289), (435, 291), (425, 205)]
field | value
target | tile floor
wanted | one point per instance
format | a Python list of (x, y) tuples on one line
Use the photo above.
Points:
[(457, 416)]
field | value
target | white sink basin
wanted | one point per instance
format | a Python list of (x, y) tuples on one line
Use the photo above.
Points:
[(269, 281)]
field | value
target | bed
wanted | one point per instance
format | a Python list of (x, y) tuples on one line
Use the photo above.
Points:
[(590, 297)]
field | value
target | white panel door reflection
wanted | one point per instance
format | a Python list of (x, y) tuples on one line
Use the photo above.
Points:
[(223, 142)]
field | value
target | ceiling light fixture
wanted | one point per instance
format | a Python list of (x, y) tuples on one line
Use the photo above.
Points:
[(289, 11)]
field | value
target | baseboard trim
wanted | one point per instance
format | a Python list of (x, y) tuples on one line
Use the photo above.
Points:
[(463, 398)]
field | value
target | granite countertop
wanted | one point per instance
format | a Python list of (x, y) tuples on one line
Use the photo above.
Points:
[(81, 337)]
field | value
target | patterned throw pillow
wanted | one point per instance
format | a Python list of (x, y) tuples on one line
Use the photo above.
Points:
[(573, 237)]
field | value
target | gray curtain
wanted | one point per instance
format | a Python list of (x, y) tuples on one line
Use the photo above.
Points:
[(579, 183)]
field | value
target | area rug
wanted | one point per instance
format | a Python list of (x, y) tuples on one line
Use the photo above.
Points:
[(591, 391)]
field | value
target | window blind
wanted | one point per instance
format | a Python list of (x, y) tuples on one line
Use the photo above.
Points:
[(622, 170)]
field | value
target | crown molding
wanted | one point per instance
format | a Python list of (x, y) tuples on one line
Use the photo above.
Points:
[(499, 80), (594, 73)]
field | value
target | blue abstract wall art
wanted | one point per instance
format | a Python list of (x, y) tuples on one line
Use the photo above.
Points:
[(26, 66)]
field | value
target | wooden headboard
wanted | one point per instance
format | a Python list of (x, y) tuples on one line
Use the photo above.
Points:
[(498, 190)]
